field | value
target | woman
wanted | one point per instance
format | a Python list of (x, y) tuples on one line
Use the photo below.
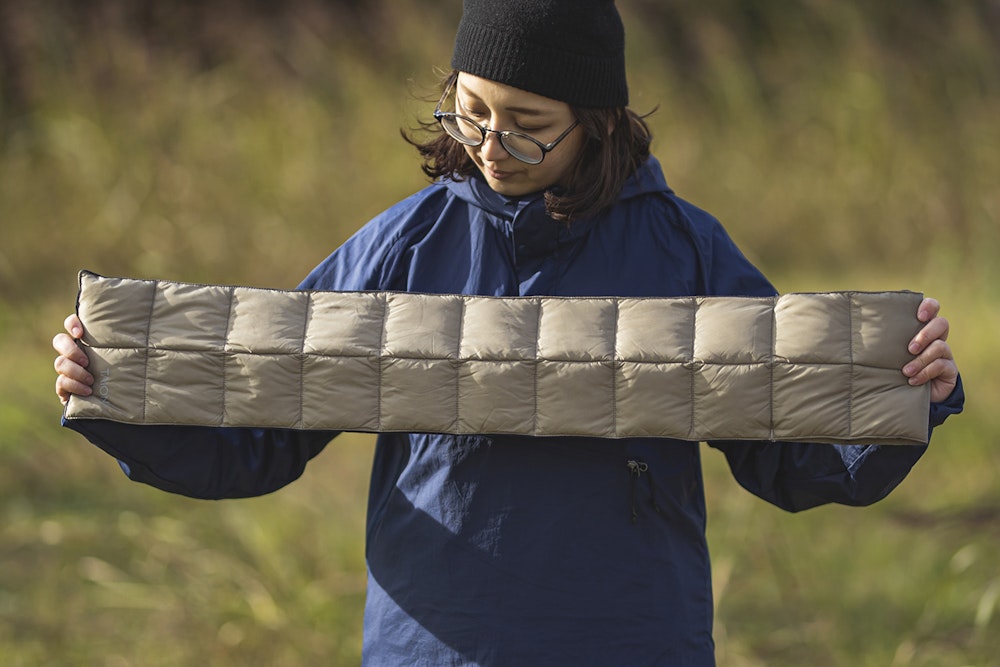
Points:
[(505, 550)]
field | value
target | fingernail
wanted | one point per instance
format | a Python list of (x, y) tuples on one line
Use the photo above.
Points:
[(914, 347), (77, 332)]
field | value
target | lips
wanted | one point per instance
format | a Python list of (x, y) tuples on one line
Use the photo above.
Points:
[(497, 174)]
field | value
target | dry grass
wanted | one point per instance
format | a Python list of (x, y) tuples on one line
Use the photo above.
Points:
[(837, 167)]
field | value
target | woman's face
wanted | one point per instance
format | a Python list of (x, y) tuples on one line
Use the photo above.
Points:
[(501, 107)]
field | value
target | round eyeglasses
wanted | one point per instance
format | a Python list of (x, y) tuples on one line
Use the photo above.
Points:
[(467, 131)]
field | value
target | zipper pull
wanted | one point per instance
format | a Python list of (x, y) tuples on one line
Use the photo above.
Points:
[(636, 468)]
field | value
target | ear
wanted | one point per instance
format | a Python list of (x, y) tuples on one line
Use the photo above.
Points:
[(613, 119)]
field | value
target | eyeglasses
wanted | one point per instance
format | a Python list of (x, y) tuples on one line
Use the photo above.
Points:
[(467, 131)]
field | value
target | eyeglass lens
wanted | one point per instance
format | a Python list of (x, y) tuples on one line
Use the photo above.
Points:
[(467, 132)]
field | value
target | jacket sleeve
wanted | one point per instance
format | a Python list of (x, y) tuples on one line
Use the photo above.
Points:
[(797, 476), (205, 462)]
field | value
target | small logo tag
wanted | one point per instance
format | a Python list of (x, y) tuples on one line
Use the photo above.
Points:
[(103, 388)]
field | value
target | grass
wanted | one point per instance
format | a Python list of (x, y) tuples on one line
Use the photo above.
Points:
[(845, 168), (97, 571), (909, 581)]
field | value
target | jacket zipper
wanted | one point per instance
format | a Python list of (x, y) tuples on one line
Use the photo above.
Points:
[(636, 468)]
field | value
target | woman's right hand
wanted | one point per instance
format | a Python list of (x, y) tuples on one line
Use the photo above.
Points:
[(72, 362)]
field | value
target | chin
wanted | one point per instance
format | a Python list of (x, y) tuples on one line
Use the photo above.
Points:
[(506, 189), (511, 187)]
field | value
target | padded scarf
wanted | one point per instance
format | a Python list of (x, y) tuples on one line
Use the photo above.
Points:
[(817, 367)]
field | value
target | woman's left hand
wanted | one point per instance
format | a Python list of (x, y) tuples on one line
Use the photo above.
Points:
[(934, 362)]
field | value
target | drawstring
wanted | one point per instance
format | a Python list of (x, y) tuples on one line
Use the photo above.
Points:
[(635, 469)]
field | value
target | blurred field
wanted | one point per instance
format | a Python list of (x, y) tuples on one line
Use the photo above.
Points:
[(844, 146)]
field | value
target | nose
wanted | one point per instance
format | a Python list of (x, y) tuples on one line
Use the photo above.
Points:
[(491, 149)]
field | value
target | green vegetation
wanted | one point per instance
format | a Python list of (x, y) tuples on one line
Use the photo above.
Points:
[(845, 145)]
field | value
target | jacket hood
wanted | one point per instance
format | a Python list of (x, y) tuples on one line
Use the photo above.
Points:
[(474, 190)]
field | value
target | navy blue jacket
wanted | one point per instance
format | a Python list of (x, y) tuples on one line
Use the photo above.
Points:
[(516, 550)]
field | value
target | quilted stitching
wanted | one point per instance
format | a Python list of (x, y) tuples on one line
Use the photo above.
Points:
[(820, 367)]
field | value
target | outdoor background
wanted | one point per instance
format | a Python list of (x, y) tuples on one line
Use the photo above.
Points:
[(845, 144)]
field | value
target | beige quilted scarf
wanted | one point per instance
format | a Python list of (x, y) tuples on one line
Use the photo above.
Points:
[(819, 367)]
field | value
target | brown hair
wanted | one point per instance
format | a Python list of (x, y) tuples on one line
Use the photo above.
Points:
[(606, 159)]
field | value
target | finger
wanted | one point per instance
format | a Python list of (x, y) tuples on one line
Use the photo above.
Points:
[(945, 382), (66, 387), (928, 309), (941, 372), (918, 367), (67, 347), (72, 371), (73, 326), (936, 329)]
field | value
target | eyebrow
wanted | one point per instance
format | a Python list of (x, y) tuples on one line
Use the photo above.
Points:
[(524, 111)]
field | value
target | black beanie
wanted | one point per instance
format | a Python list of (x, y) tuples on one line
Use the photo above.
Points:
[(568, 50)]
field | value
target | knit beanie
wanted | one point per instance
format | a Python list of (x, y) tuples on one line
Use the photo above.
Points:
[(567, 50)]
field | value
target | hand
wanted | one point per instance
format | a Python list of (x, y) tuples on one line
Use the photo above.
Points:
[(72, 362), (934, 362)]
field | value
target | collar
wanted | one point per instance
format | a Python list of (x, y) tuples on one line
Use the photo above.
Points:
[(524, 218), (474, 190)]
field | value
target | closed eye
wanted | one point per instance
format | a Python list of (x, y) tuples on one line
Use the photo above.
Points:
[(471, 112), (481, 116)]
